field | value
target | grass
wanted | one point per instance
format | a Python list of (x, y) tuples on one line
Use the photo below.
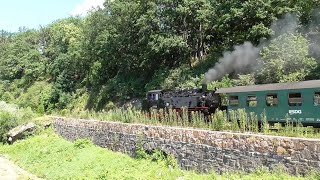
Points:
[(240, 121), (48, 156)]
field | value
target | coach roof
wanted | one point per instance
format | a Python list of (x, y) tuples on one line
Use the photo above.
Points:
[(271, 87), (155, 91)]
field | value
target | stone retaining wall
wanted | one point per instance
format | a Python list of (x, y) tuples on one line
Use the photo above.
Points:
[(199, 149)]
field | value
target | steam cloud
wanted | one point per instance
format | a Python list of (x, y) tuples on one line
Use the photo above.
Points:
[(246, 56), (241, 58), (313, 33)]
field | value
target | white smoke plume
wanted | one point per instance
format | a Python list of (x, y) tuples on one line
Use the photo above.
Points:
[(240, 59), (246, 56), (288, 24), (313, 34)]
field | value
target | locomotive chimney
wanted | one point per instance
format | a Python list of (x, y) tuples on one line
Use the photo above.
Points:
[(204, 88)]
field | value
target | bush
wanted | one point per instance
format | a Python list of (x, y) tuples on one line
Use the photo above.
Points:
[(41, 109), (64, 100), (7, 96), (7, 122), (82, 143), (110, 105), (37, 97), (11, 116), (64, 112)]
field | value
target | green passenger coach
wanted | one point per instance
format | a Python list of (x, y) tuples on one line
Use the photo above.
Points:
[(297, 101)]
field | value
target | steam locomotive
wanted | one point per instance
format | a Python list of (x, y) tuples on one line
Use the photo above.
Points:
[(193, 99)]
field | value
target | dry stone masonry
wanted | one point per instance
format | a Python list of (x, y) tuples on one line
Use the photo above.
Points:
[(199, 150)]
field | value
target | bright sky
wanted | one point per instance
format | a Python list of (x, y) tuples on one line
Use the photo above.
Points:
[(32, 13)]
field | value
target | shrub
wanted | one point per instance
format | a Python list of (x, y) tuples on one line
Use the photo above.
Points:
[(110, 105), (10, 117), (7, 122), (7, 96), (64, 112), (37, 96), (64, 100), (220, 121), (82, 143), (41, 109)]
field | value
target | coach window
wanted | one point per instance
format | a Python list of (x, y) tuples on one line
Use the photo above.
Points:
[(233, 100), (156, 97), (272, 100), (252, 101), (316, 98), (295, 99)]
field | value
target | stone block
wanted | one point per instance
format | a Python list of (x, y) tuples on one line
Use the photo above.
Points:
[(20, 132)]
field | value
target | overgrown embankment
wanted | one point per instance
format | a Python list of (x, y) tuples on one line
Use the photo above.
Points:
[(50, 157), (199, 150)]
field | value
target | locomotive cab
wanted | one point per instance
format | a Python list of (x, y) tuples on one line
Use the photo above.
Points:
[(154, 95), (154, 98)]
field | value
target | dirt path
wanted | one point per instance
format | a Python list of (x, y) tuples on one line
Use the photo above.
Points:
[(10, 171)]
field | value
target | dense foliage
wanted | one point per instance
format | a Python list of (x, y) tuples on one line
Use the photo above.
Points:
[(119, 52), (286, 59)]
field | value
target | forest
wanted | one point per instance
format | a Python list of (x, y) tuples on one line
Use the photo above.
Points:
[(118, 53)]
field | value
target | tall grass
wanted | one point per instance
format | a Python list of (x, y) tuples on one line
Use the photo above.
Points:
[(234, 121), (220, 121)]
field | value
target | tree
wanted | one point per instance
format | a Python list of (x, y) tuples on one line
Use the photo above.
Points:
[(62, 50), (286, 59), (20, 58)]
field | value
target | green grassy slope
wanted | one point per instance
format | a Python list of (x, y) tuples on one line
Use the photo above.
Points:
[(49, 156)]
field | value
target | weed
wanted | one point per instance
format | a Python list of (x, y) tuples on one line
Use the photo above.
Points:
[(253, 123), (82, 143), (264, 123), (236, 121), (243, 118)]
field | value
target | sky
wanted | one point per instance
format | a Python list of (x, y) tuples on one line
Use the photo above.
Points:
[(33, 13)]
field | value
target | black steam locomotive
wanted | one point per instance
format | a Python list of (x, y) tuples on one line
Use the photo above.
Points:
[(193, 99)]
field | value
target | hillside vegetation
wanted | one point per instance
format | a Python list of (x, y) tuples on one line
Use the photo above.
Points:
[(129, 47)]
